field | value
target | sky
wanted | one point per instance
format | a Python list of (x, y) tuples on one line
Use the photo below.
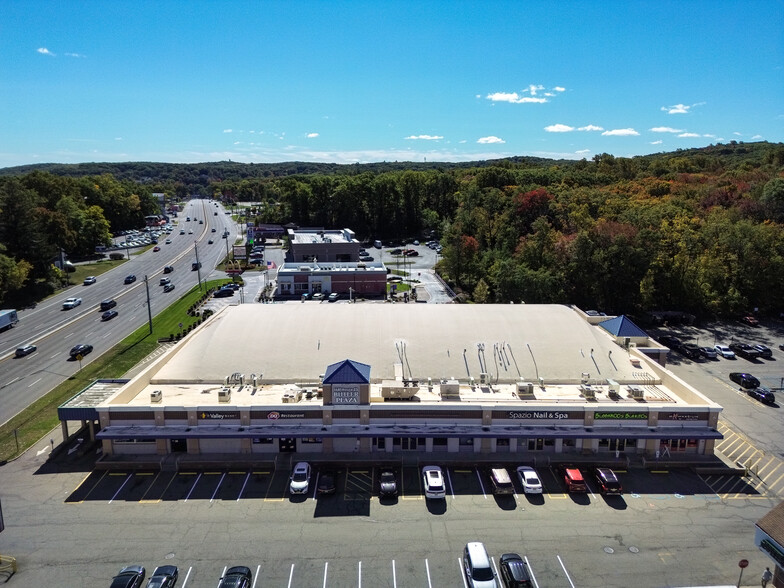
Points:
[(365, 81)]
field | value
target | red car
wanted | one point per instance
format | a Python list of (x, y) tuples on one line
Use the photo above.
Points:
[(750, 320), (156, 248)]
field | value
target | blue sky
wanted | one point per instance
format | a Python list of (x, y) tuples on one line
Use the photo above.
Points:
[(383, 81)]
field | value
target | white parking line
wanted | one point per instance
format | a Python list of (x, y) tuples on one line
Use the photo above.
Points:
[(462, 575), (451, 488), (326, 565), (497, 575), (128, 477), (560, 561), (427, 570), (531, 571), (315, 485), (360, 575), (192, 487), (245, 483), (479, 477), (258, 569), (394, 575), (291, 575), (218, 487), (223, 573), (188, 575)]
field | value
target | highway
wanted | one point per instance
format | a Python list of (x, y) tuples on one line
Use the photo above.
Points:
[(55, 331)]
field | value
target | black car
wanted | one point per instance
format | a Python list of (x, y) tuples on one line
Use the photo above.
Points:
[(109, 315), (81, 349), (168, 287), (224, 293), (236, 577), (129, 577), (764, 351), (669, 341), (689, 350), (130, 279), (167, 269), (388, 484), (745, 350), (326, 483), (762, 394), (25, 350), (514, 571), (744, 380), (163, 577), (608, 481), (107, 304)]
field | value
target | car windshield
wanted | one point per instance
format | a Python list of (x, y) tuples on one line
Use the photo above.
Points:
[(387, 477), (299, 477), (482, 574)]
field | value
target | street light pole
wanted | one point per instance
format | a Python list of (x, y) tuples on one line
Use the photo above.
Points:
[(198, 265), (149, 310)]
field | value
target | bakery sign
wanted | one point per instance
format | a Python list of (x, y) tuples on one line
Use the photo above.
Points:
[(621, 416), (345, 393)]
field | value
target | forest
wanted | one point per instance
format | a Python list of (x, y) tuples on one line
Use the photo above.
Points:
[(697, 230)]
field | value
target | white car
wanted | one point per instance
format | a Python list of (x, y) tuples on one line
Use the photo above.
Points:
[(300, 478), (89, 280), (530, 480), (71, 303), (434, 482), (724, 351)]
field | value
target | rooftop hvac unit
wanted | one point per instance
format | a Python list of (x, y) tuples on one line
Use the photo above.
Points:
[(614, 388), (587, 391), (483, 378), (541, 382), (584, 377), (636, 392), (156, 396), (525, 388), (224, 395)]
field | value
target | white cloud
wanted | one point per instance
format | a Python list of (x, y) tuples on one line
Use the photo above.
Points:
[(559, 128), (582, 151), (531, 100), (665, 130), (534, 89), (756, 137), (680, 108), (45, 51), (621, 133), (659, 142), (559, 89), (526, 96), (312, 135), (118, 138), (77, 55), (423, 137), (489, 140), (590, 128), (688, 135), (227, 131), (504, 97)]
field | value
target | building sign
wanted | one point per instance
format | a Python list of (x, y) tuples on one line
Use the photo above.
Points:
[(550, 415), (218, 416), (621, 416), (275, 415), (345, 393), (682, 416), (239, 251)]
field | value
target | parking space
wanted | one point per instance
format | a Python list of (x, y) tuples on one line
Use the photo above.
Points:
[(410, 484), (466, 482), (358, 484)]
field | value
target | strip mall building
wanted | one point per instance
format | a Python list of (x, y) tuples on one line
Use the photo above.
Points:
[(388, 380)]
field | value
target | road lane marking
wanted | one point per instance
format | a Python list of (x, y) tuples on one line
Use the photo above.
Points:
[(34, 383)]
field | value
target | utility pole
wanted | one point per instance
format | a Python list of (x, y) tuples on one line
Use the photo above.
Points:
[(149, 310), (198, 265)]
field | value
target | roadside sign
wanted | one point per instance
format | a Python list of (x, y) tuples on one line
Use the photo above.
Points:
[(79, 357), (744, 563)]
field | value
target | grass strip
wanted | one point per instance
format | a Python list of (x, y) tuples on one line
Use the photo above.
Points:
[(27, 427)]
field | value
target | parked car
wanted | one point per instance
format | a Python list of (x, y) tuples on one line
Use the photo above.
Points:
[(529, 479), (70, 303), (236, 577), (669, 341), (387, 484), (81, 349), (25, 350), (109, 315), (108, 303), (762, 394), (130, 279), (763, 350), (744, 350), (724, 351), (476, 563), (434, 482), (608, 481), (318, 296), (514, 571), (129, 577), (167, 269), (750, 321), (89, 280), (708, 352), (168, 287), (333, 297), (300, 478), (326, 483), (690, 350), (744, 380), (163, 577), (573, 479), (223, 293)]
